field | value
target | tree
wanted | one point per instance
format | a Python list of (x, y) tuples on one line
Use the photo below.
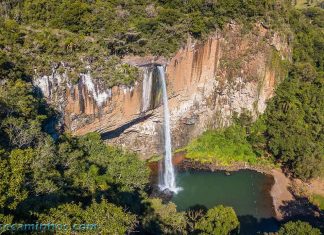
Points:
[(13, 174), (73, 172), (219, 220), (164, 218), (44, 168), (298, 227), (22, 133), (20, 116), (294, 127), (108, 218), (294, 117), (90, 164)]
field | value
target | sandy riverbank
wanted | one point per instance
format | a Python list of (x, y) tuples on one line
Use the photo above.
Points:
[(280, 191)]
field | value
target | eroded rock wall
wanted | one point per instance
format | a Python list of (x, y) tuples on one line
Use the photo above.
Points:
[(207, 83)]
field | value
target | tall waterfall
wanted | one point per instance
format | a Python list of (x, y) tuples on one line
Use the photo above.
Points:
[(167, 178)]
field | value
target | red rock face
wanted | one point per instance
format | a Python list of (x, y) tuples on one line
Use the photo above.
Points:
[(207, 82)]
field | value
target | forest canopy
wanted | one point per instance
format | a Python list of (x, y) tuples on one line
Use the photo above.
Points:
[(75, 33)]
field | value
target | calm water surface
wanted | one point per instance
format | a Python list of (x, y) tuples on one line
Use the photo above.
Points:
[(248, 192)]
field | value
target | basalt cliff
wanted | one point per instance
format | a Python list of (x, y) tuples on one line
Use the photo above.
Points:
[(208, 82)]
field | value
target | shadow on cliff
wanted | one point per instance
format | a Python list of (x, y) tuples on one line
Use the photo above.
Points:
[(52, 125), (118, 131)]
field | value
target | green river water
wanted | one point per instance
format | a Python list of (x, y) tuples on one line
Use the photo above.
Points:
[(248, 192)]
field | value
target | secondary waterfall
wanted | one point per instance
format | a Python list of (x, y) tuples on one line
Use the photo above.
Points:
[(167, 176), (147, 89)]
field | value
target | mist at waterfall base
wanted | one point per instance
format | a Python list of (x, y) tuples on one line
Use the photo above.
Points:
[(167, 180)]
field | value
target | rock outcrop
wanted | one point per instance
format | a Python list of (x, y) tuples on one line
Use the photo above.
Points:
[(207, 82)]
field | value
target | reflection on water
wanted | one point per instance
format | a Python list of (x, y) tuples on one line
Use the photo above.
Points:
[(248, 192)]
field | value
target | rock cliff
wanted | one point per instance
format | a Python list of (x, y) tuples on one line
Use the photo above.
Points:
[(230, 72)]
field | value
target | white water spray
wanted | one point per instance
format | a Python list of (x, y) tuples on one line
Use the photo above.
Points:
[(167, 179)]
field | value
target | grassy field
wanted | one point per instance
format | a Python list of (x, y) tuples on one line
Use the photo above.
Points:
[(224, 147)]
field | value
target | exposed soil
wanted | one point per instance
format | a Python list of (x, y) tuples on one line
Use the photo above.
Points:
[(280, 191), (317, 186)]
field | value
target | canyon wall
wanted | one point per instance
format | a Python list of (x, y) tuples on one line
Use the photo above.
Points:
[(230, 72)]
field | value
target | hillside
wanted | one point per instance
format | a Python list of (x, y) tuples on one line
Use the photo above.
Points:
[(80, 106)]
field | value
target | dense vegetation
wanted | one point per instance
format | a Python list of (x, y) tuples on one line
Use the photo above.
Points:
[(75, 180), (143, 26), (44, 179), (237, 144), (70, 35), (295, 117), (291, 131), (298, 227), (219, 220), (80, 179)]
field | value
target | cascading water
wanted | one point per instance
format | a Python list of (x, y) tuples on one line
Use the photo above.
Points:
[(147, 89), (167, 176)]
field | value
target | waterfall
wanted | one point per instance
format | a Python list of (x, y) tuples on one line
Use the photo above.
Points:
[(167, 177), (147, 89)]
